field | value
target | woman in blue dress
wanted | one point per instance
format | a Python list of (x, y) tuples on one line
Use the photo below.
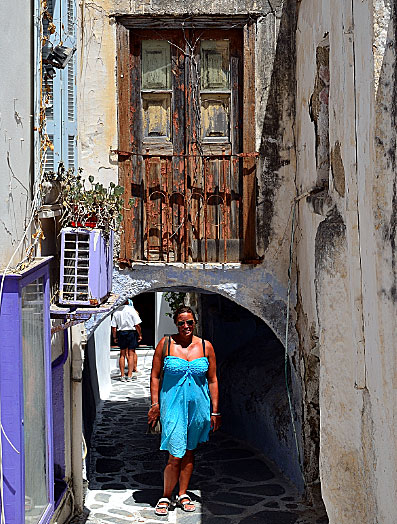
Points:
[(186, 403)]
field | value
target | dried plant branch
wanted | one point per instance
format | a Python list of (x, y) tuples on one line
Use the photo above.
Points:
[(96, 206)]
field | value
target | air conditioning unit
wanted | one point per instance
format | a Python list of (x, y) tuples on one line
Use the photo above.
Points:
[(86, 266)]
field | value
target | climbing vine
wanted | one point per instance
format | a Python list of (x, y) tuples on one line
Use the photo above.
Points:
[(175, 300)]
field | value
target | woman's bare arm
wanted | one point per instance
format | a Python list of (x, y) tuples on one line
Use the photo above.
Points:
[(213, 385), (154, 411), (156, 371)]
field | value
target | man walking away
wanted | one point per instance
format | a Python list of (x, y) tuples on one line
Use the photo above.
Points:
[(127, 333)]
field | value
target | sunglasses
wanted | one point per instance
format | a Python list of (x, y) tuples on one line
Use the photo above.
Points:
[(181, 323)]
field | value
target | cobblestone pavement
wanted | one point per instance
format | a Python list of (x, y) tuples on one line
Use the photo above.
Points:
[(232, 483)]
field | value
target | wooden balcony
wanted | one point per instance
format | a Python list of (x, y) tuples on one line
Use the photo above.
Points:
[(188, 208)]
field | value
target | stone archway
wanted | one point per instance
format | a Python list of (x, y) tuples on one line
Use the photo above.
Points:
[(249, 287)]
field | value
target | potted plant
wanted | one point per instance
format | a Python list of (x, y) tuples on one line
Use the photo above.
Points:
[(95, 206), (90, 214), (50, 188)]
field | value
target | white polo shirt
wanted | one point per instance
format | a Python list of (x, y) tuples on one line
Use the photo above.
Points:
[(125, 318)]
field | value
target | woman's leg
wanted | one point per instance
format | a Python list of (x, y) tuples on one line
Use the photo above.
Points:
[(171, 474), (186, 471)]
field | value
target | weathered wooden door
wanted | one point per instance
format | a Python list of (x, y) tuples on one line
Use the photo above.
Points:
[(186, 137)]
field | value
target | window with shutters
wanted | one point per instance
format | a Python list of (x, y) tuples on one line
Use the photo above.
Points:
[(51, 87), (59, 93), (69, 122), (184, 161)]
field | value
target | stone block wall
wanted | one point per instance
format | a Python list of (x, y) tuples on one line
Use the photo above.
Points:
[(345, 270)]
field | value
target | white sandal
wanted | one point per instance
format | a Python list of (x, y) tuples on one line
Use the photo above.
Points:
[(187, 501), (163, 505)]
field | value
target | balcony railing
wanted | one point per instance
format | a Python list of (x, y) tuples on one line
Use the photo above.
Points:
[(187, 208)]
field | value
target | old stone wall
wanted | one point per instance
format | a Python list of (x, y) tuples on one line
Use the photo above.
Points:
[(253, 393), (344, 253)]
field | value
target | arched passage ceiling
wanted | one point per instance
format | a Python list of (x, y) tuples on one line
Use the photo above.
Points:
[(249, 286)]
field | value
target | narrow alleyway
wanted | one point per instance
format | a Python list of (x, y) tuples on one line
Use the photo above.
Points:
[(231, 484)]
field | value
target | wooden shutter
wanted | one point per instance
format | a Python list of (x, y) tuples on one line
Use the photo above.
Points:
[(183, 148)]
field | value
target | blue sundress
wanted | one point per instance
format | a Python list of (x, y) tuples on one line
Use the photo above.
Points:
[(185, 405)]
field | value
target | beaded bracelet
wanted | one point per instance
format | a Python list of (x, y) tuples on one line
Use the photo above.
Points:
[(215, 414)]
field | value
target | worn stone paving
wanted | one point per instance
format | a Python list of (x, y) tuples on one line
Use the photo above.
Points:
[(232, 483)]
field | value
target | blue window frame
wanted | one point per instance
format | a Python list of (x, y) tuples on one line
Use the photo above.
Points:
[(61, 90)]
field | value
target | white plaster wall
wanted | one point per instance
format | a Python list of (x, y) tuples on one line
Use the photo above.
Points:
[(325, 305), (15, 125), (383, 362), (310, 32), (343, 278), (102, 358), (377, 427), (57, 340), (250, 287), (163, 323), (96, 92)]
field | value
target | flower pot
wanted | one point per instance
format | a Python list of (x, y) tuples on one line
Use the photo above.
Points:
[(90, 222), (50, 190)]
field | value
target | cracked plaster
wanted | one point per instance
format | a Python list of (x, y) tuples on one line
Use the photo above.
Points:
[(342, 311)]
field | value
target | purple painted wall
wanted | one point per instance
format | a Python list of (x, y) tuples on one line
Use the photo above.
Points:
[(58, 421), (12, 393)]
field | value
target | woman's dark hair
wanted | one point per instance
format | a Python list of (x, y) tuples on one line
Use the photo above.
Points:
[(183, 309)]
